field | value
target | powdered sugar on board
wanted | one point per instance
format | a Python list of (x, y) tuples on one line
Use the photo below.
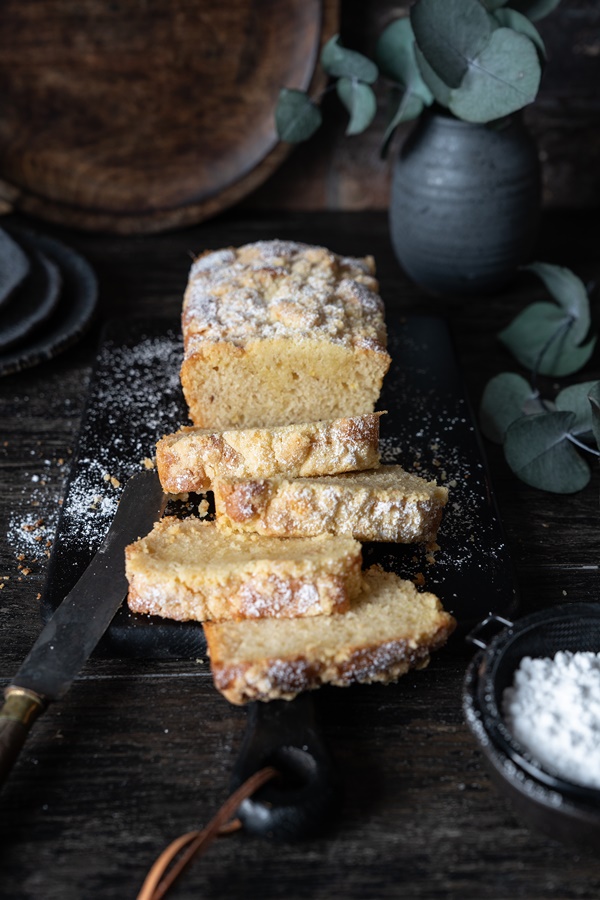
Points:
[(135, 398), (429, 449), (429, 430)]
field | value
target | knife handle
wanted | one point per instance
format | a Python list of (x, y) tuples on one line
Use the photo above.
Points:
[(284, 734), (21, 709)]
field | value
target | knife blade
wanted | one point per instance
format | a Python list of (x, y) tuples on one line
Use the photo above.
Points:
[(70, 636)]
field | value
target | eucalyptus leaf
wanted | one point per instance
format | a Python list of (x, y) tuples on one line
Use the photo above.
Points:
[(542, 339), (504, 400), (395, 55), (575, 398), (296, 116), (510, 18), (534, 9), (569, 292), (343, 63), (539, 452), (536, 404), (450, 33), (359, 100), (502, 78), (409, 108), (594, 398), (439, 90)]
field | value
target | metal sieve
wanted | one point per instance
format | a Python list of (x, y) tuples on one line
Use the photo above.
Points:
[(560, 807)]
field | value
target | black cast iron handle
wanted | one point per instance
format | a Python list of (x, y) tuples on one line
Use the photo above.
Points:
[(308, 795)]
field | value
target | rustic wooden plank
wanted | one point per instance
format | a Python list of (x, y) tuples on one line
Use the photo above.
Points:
[(420, 812)]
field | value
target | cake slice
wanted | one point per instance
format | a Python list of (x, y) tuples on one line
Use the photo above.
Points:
[(193, 458), (390, 628), (277, 332), (385, 504), (188, 569)]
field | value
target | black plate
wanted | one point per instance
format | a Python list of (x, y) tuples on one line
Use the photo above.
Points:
[(72, 314), (135, 398), (14, 266), (33, 302)]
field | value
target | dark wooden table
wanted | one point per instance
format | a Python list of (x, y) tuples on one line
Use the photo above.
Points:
[(141, 751)]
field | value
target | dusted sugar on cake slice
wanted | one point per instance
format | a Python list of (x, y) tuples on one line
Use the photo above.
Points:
[(390, 628), (193, 458), (188, 569), (386, 504), (278, 332)]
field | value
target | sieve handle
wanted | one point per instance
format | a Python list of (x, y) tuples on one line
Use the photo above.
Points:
[(486, 630)]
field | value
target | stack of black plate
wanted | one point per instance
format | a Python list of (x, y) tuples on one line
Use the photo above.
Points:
[(47, 297)]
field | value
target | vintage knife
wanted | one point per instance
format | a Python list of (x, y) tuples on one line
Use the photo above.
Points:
[(72, 633)]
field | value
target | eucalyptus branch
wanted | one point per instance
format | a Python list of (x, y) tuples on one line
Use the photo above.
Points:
[(540, 437), (581, 444)]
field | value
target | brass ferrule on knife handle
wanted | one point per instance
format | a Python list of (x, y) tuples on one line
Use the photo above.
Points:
[(21, 709)]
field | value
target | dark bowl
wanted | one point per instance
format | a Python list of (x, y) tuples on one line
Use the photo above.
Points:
[(561, 809)]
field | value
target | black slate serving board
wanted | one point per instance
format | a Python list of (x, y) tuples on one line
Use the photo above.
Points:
[(135, 398)]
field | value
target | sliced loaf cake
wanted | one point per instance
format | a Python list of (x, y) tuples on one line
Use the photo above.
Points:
[(189, 569), (390, 628), (385, 504), (277, 332), (193, 458)]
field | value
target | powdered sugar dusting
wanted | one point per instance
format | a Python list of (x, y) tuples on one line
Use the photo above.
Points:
[(433, 452), (430, 432), (282, 289), (135, 398)]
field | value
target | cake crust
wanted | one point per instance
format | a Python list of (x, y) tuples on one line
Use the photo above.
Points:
[(193, 458), (188, 570), (390, 628), (385, 504)]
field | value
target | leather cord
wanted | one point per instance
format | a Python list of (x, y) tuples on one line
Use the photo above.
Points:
[(158, 881)]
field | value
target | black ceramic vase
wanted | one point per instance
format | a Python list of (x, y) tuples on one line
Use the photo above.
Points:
[(465, 203)]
